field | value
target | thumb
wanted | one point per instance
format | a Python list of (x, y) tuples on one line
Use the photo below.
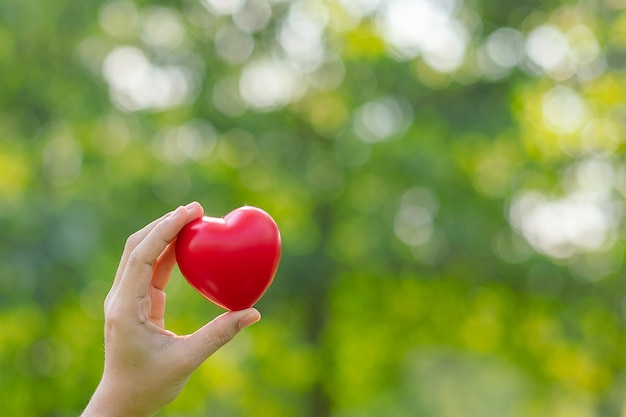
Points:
[(215, 334)]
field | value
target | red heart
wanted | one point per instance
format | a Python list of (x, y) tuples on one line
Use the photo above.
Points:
[(232, 260)]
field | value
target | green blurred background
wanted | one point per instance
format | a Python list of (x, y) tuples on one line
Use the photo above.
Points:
[(448, 177)]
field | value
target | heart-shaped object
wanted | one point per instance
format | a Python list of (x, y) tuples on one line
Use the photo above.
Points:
[(232, 260)]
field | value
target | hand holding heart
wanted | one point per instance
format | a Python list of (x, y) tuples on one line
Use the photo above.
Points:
[(146, 366)]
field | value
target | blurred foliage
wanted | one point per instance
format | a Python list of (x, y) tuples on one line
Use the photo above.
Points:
[(448, 177)]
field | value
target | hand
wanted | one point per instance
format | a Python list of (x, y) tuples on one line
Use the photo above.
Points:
[(146, 366)]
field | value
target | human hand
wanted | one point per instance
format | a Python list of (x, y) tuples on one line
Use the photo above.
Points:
[(146, 366)]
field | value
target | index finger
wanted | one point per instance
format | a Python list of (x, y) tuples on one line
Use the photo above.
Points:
[(131, 243), (137, 276)]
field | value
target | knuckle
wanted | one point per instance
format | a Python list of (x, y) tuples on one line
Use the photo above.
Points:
[(132, 240), (107, 303), (111, 306), (113, 318), (222, 336), (162, 233), (136, 257)]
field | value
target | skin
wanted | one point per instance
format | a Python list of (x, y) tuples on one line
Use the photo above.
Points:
[(145, 365)]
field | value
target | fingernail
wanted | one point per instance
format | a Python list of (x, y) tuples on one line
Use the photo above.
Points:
[(190, 205), (249, 319)]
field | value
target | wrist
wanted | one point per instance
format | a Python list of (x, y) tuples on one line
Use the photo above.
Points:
[(107, 402)]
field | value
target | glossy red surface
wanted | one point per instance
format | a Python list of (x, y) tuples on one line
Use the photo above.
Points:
[(232, 260)]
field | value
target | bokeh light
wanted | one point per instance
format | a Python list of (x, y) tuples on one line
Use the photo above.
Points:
[(138, 84)]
